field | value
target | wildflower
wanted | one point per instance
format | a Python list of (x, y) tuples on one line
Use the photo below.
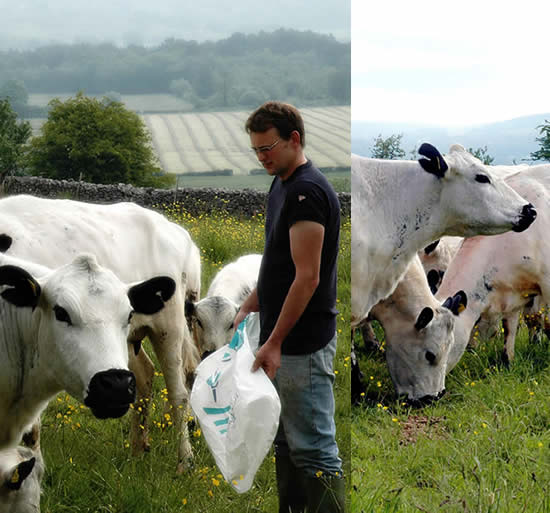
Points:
[(184, 501), (319, 473)]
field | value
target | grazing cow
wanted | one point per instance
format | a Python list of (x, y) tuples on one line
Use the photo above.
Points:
[(135, 243), (500, 275), (21, 471), (399, 207), (412, 320), (212, 318), (67, 329)]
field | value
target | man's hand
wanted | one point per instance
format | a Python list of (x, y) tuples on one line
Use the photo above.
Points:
[(268, 358)]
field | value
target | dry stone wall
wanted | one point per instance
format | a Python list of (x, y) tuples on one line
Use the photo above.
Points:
[(196, 201)]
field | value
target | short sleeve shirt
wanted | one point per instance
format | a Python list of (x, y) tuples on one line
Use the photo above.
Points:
[(305, 196)]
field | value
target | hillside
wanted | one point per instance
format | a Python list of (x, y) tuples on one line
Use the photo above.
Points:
[(507, 141)]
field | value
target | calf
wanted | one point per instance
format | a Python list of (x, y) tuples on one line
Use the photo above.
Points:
[(212, 317)]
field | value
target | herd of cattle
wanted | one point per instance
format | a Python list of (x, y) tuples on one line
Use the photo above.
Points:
[(472, 234), (81, 286), (438, 246)]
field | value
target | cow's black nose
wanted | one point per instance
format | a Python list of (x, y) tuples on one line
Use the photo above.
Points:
[(110, 393)]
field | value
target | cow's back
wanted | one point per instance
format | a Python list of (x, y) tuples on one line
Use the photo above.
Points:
[(134, 242)]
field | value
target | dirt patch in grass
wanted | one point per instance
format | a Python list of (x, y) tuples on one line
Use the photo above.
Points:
[(417, 426)]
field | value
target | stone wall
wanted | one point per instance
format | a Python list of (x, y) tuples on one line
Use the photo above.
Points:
[(245, 202)]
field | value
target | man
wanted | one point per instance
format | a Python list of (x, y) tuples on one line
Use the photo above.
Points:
[(296, 297)]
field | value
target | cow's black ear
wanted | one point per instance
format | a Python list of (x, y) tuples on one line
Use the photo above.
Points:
[(24, 290), (433, 280), (189, 309), (149, 296), (19, 474), (457, 303), (433, 162), (425, 317), (431, 247), (5, 242)]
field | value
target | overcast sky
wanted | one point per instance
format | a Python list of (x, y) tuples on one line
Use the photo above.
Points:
[(449, 63), (30, 23)]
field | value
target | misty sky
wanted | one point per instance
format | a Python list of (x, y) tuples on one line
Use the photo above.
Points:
[(449, 63), (29, 23)]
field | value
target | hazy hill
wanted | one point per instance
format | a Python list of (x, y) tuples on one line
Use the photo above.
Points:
[(506, 141)]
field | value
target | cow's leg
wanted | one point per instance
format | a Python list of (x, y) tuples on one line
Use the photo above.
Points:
[(168, 348), (510, 325), (144, 370)]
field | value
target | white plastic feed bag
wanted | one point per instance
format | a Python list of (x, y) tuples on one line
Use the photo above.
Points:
[(238, 410)]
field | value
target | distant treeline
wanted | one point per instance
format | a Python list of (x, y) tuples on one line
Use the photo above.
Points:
[(305, 68)]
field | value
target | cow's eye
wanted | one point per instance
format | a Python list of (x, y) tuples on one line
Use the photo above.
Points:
[(199, 323), (430, 357), (62, 315), (483, 179)]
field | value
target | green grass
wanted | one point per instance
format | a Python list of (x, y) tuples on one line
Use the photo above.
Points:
[(484, 447), (89, 465)]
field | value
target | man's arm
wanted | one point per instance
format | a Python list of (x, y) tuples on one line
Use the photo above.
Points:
[(306, 244)]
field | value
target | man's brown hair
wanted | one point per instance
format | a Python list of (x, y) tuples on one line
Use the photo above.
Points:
[(284, 117)]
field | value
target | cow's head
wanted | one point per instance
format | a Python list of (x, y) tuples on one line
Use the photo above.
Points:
[(211, 321), (21, 471), (418, 362), (80, 322), (475, 201)]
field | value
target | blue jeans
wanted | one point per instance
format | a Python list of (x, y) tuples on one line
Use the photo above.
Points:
[(307, 427)]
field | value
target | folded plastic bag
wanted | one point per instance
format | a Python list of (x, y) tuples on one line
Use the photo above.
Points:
[(237, 409)]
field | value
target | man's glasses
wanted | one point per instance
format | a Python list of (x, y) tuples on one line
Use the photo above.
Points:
[(264, 149)]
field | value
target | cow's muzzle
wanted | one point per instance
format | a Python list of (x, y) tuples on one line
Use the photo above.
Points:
[(110, 393), (424, 401), (527, 216)]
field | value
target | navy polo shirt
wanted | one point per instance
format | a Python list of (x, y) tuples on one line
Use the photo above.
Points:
[(305, 196)]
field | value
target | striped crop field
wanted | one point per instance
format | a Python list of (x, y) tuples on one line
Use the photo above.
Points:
[(216, 141)]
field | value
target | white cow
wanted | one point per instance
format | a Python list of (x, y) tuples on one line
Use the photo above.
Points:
[(135, 243), (21, 472), (67, 329), (419, 333), (212, 318), (399, 207), (436, 257), (499, 275)]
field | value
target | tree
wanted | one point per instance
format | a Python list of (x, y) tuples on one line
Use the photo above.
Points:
[(13, 137), (544, 140), (482, 154), (389, 148), (98, 139), (15, 92)]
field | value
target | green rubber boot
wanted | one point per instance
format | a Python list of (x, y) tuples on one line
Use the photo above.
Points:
[(326, 494), (290, 485)]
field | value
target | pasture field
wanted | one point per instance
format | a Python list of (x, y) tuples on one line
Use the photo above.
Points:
[(89, 465), (484, 447)]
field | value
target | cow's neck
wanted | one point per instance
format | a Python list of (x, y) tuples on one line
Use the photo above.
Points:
[(26, 389), (465, 274)]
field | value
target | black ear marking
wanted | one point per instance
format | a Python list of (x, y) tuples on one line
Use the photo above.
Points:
[(433, 280), (431, 247), (457, 303), (189, 309), (5, 242), (25, 289), (433, 162), (20, 473), (425, 317), (149, 297)]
